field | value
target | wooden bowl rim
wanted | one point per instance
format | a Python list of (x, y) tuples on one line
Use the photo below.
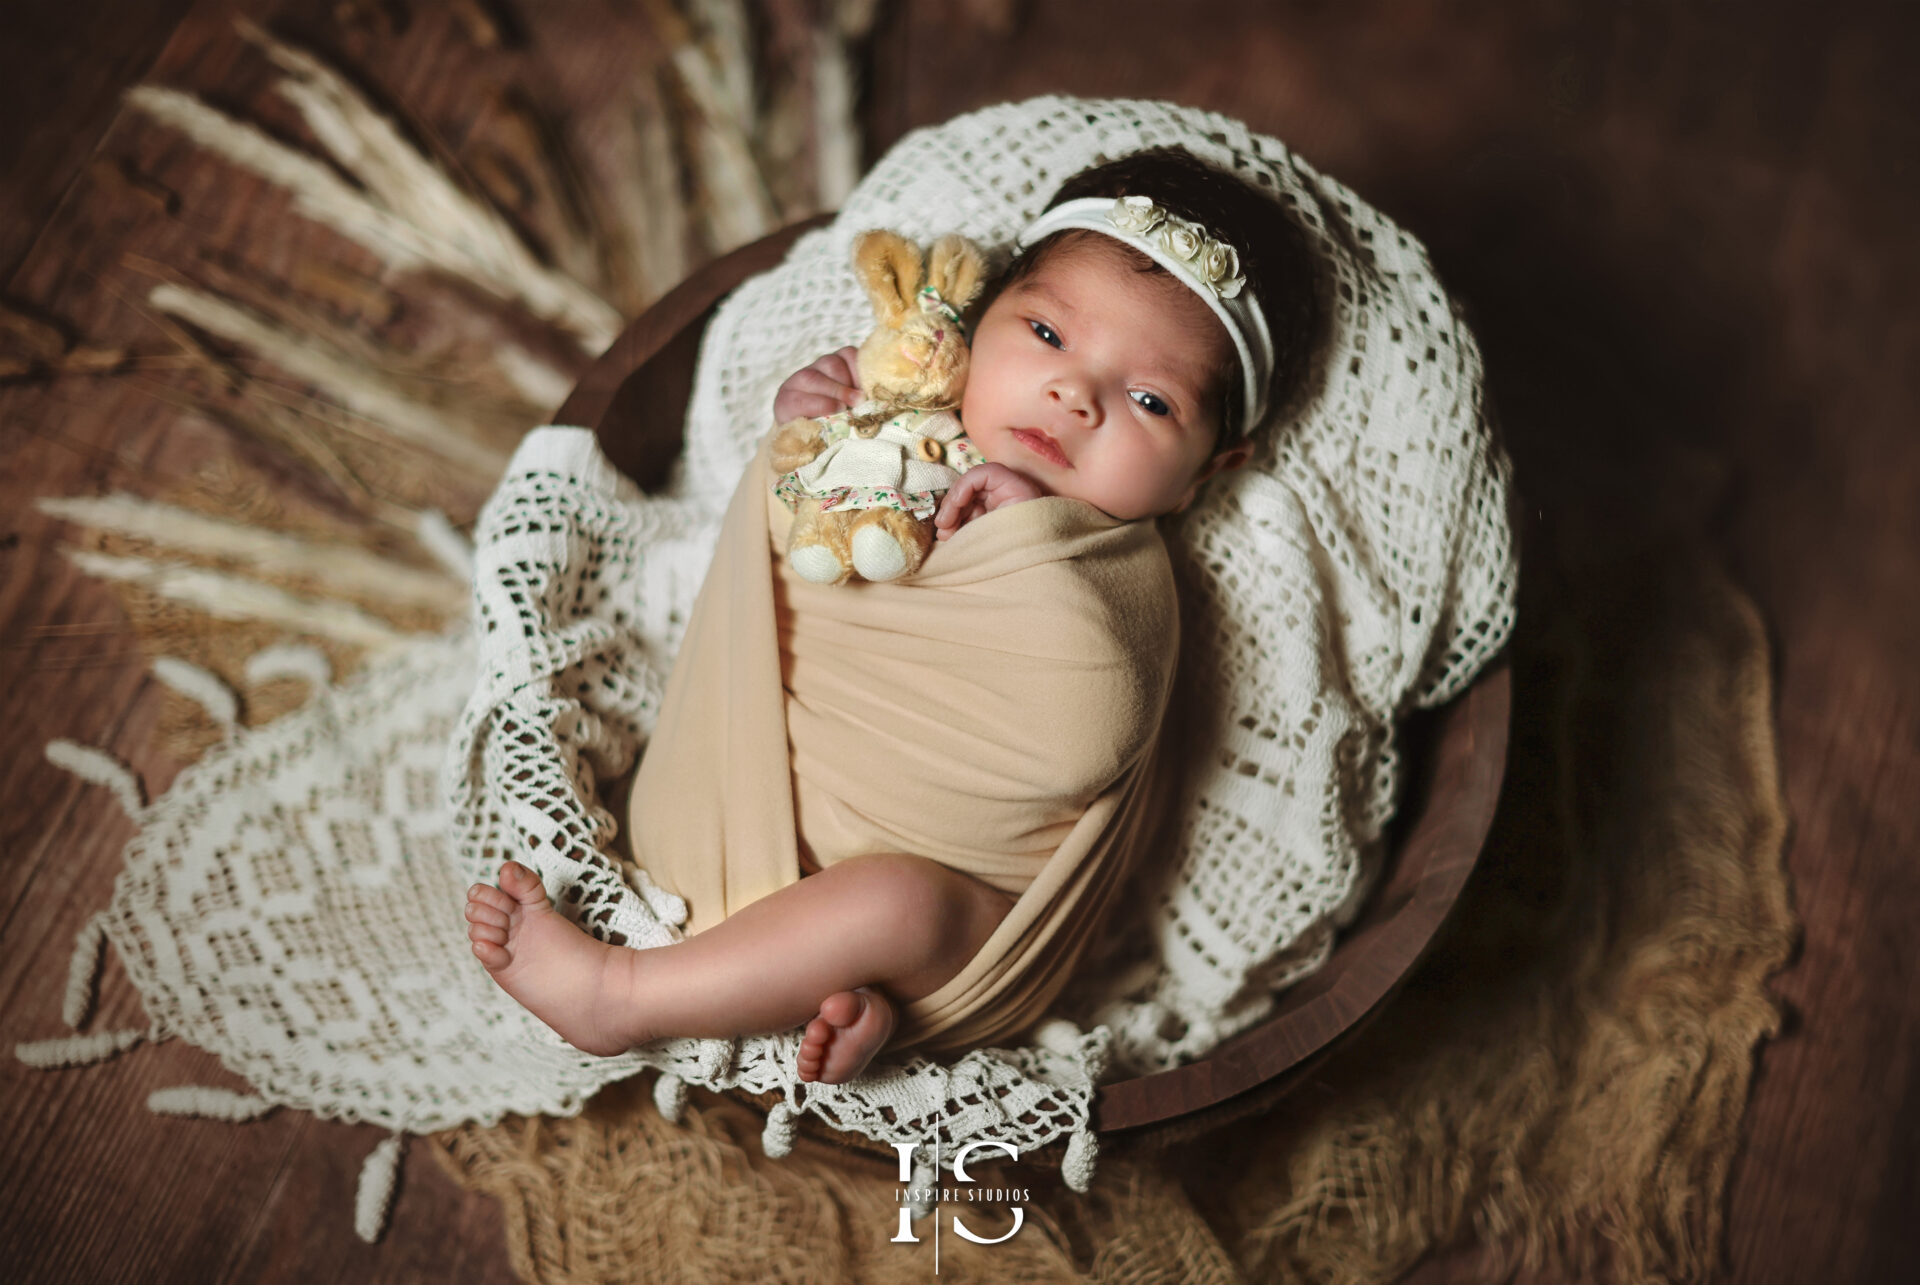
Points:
[(1424, 872)]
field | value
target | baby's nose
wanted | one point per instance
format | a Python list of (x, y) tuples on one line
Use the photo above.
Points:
[(1074, 400)]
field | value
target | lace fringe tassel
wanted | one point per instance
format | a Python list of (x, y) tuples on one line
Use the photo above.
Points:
[(207, 1103), (1076, 1167), (922, 1185), (448, 547), (776, 1140), (374, 1198), (77, 1050), (101, 768), (670, 1095), (290, 660), (202, 686), (82, 971)]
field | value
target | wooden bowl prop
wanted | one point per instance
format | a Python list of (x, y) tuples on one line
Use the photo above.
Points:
[(635, 398)]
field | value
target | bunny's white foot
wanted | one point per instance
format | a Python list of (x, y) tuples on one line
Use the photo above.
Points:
[(877, 555), (817, 563)]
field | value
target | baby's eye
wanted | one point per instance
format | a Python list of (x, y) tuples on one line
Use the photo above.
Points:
[(1151, 404), (1046, 334)]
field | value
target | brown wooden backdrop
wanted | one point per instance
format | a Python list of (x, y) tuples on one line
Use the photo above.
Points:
[(1684, 230)]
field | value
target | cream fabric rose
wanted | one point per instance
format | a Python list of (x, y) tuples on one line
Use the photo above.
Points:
[(1181, 239), (1220, 268), (1214, 263), (1135, 214)]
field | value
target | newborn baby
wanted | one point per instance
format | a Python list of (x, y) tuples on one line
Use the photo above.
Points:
[(1120, 363)]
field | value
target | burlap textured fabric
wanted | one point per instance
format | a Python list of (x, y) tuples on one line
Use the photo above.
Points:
[(1563, 1079)]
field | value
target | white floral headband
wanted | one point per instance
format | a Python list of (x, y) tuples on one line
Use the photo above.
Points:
[(1210, 267)]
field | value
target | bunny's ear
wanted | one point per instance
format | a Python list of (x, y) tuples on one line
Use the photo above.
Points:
[(888, 265), (957, 269)]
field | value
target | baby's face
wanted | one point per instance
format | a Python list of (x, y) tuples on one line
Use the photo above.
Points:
[(1099, 382)]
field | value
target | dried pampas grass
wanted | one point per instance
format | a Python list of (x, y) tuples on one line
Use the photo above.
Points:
[(234, 598), (352, 385), (736, 204), (411, 214), (745, 120), (645, 206), (334, 568)]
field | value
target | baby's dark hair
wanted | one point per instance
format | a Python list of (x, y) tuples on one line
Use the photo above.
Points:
[(1273, 253)]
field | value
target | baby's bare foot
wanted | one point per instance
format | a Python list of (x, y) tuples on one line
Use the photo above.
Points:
[(561, 975), (850, 1029)]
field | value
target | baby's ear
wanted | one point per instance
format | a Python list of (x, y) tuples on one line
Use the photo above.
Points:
[(888, 265), (957, 269)]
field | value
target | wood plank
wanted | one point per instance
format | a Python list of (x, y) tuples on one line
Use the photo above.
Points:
[(63, 64)]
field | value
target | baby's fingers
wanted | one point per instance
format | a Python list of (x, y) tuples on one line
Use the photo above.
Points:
[(966, 486), (843, 367), (823, 384), (953, 502), (808, 406), (811, 393), (956, 507)]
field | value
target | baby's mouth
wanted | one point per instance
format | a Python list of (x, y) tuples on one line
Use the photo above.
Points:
[(1042, 445)]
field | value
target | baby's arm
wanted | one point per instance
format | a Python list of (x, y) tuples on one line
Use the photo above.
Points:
[(981, 489)]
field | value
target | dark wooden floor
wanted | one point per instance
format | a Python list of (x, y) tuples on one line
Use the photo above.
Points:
[(1685, 234)]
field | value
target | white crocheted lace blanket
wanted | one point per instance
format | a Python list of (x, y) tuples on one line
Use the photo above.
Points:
[(1362, 565), (293, 903)]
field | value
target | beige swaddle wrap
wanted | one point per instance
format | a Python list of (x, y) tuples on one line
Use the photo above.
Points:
[(998, 713)]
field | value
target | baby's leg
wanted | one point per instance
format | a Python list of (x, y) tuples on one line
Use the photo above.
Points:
[(900, 925)]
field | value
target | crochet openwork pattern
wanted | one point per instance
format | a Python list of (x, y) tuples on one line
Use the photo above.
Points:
[(293, 902), (1360, 566)]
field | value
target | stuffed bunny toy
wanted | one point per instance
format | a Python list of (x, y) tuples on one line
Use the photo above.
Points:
[(864, 484)]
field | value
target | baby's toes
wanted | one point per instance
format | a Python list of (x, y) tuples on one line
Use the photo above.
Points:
[(495, 934), (484, 912), (485, 894), (521, 884), (843, 1008), (813, 1049), (493, 954)]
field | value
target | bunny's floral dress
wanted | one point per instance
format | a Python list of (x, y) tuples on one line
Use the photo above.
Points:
[(906, 463)]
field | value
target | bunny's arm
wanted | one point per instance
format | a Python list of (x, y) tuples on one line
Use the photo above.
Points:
[(795, 444)]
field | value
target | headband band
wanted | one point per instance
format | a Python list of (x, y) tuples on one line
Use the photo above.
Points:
[(1210, 268)]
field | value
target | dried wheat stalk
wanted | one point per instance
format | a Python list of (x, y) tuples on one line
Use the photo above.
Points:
[(349, 383), (228, 597), (46, 341), (642, 192), (342, 569), (726, 36), (492, 408), (736, 206), (412, 214), (786, 125), (836, 162), (538, 153)]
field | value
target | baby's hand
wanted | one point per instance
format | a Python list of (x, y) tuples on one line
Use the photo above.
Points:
[(830, 385), (981, 489)]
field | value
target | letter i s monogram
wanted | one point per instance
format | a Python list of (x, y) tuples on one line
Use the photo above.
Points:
[(905, 1151)]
